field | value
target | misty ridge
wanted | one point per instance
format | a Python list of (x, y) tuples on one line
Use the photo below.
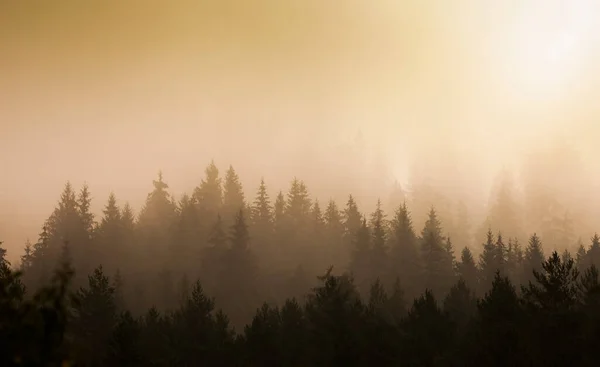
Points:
[(299, 183), (221, 277)]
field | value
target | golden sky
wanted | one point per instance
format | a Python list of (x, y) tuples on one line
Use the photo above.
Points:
[(111, 91)]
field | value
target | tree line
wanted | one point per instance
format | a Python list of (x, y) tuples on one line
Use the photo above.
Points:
[(216, 279)]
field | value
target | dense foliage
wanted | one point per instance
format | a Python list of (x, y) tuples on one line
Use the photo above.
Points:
[(216, 279)]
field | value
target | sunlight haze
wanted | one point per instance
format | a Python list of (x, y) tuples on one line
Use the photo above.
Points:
[(450, 93)]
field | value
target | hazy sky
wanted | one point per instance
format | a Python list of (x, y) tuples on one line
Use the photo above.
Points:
[(109, 92)]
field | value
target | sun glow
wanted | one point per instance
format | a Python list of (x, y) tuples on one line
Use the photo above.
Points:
[(547, 47)]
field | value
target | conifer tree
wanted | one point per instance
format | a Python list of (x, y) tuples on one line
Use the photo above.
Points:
[(404, 252), (110, 241), (298, 204), (238, 279), (533, 259), (461, 306), (551, 301), (96, 318), (233, 196), (262, 211), (189, 237), (467, 270), (209, 194), (262, 223), (155, 222), (338, 255), (84, 201), (427, 332), (352, 218), (360, 261), (592, 255), (397, 304), (437, 268), (489, 263), (214, 255), (500, 316), (378, 254)]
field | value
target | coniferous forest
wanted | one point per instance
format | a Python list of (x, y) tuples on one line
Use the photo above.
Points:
[(220, 279)]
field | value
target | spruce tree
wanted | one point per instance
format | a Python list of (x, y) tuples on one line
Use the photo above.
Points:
[(404, 252), (467, 270), (233, 196), (534, 257), (437, 267), (352, 218), (238, 279), (360, 261), (592, 255), (262, 211), (489, 263), (209, 194), (110, 241), (338, 254), (379, 252)]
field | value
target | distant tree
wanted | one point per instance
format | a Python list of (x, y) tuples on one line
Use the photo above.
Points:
[(551, 302), (95, 319), (233, 197), (238, 279), (534, 257), (360, 264), (404, 252), (262, 223), (337, 254), (438, 271), (467, 270), (427, 333), (156, 219), (352, 219), (489, 263), (498, 329), (335, 318), (461, 307), (209, 194), (379, 253)]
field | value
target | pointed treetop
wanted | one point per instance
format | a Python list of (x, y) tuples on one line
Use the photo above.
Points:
[(160, 184)]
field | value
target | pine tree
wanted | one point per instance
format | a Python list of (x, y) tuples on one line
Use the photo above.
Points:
[(551, 302), (96, 318), (214, 255), (378, 254), (239, 275), (352, 218), (499, 320), (233, 196), (592, 255), (437, 268), (155, 222), (110, 236), (461, 306), (427, 332), (404, 252), (580, 259), (467, 270), (338, 254), (534, 257), (262, 212), (298, 204), (84, 202), (489, 263), (359, 263), (209, 194), (397, 302)]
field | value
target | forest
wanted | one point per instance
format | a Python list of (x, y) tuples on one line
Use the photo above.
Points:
[(219, 279)]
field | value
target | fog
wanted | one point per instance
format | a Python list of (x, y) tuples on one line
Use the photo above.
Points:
[(112, 92)]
